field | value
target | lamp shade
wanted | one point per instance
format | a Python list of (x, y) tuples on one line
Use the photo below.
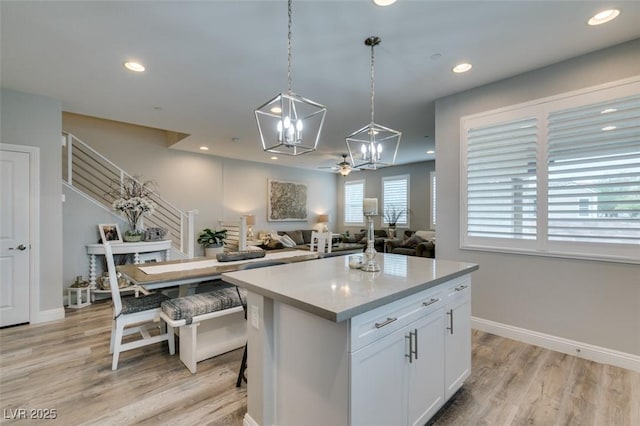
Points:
[(323, 218), (251, 220)]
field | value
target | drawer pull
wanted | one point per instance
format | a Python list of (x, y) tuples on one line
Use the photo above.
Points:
[(387, 322), (430, 302), (460, 288)]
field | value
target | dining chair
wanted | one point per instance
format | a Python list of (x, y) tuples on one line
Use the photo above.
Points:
[(142, 312), (243, 299), (320, 242)]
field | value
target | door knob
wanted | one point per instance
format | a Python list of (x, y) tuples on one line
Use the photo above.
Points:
[(21, 247)]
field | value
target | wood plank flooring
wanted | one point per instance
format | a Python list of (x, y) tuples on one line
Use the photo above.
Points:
[(66, 366)]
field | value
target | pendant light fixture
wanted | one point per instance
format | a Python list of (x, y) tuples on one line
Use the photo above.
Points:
[(289, 123), (373, 146)]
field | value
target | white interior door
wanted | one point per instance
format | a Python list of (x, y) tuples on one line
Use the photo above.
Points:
[(14, 237)]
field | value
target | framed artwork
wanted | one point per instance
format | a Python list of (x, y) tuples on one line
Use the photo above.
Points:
[(110, 232), (287, 201)]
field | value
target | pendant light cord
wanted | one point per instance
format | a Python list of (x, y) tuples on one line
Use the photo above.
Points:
[(372, 81), (289, 50)]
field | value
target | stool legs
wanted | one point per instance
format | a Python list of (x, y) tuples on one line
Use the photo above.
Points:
[(243, 368)]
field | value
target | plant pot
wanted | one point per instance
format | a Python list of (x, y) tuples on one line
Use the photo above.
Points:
[(132, 238), (212, 251), (391, 232)]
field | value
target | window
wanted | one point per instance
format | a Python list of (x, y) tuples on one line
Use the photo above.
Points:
[(432, 185), (353, 198), (395, 200), (559, 176)]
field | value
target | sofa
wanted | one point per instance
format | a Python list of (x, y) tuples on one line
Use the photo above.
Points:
[(379, 235), (413, 243)]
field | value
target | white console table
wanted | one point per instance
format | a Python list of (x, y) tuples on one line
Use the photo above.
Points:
[(93, 250)]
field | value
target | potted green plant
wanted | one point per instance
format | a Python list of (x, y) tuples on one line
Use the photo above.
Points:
[(212, 241)]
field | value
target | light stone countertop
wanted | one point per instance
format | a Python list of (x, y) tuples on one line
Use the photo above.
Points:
[(330, 289)]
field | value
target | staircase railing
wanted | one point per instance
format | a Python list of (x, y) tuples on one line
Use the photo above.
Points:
[(90, 172)]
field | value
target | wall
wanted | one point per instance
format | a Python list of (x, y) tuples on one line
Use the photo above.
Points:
[(35, 121), (592, 302), (419, 192), (217, 187)]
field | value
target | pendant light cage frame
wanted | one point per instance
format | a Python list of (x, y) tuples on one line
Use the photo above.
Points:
[(373, 146), (290, 124)]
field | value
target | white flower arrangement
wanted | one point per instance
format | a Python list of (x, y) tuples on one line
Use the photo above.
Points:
[(133, 202)]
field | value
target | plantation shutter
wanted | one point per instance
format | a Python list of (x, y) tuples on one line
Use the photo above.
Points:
[(594, 172), (395, 193), (353, 199), (501, 180), (433, 200)]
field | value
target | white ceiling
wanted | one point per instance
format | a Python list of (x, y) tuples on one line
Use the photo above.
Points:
[(210, 63)]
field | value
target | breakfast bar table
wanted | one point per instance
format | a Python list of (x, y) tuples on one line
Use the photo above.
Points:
[(201, 269), (331, 345)]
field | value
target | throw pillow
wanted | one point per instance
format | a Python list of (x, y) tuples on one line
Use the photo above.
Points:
[(426, 235), (296, 236), (287, 241), (412, 242)]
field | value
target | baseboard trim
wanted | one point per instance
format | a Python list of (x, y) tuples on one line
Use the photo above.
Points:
[(248, 421), (559, 344), (48, 315)]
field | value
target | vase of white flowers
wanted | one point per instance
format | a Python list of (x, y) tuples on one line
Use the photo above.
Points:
[(133, 201)]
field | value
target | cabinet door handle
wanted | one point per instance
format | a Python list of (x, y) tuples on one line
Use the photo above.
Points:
[(413, 345), (460, 288), (450, 313), (415, 336), (387, 322), (408, 336), (430, 302)]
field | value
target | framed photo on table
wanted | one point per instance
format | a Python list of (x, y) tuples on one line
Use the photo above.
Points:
[(109, 232)]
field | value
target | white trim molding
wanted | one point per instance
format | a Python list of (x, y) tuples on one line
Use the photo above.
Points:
[(559, 344), (48, 315)]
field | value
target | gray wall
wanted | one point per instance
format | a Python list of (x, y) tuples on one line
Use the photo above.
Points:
[(588, 301), (419, 192), (35, 121), (217, 187)]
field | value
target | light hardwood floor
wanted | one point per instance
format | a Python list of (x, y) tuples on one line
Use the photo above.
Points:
[(66, 366)]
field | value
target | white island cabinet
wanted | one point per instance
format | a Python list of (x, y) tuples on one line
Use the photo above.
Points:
[(329, 345)]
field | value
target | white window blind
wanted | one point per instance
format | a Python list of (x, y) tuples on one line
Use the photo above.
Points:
[(353, 198), (594, 172), (558, 176), (432, 179), (395, 199), (501, 180)]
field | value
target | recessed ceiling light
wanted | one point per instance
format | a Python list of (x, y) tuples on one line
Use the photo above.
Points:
[(134, 66), (462, 68), (384, 2), (604, 17), (431, 152), (204, 148), (274, 158), (608, 128), (276, 110), (608, 110)]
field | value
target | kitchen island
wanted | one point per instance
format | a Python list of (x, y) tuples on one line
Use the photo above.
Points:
[(330, 345)]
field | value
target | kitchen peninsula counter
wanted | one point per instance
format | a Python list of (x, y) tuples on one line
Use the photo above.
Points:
[(334, 345)]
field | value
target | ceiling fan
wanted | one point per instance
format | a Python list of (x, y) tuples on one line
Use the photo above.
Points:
[(344, 166)]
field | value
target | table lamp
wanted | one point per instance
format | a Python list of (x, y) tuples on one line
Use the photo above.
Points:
[(251, 220), (324, 219)]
